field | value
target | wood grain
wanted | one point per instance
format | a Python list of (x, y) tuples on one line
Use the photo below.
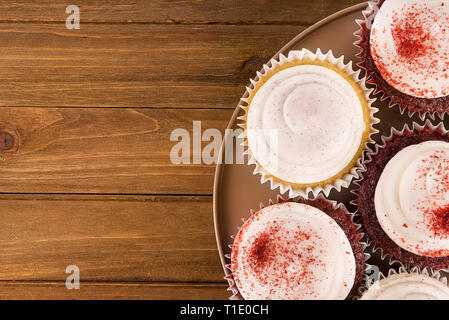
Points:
[(175, 66), (177, 11), (93, 291), (74, 150), (110, 238), (85, 121)]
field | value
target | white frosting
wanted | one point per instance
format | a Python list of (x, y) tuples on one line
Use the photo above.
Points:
[(413, 184), (305, 124), (406, 286), (307, 255), (410, 46)]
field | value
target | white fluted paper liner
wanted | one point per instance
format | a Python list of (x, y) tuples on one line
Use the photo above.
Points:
[(378, 276), (300, 55), (373, 270), (369, 14), (369, 157), (336, 205)]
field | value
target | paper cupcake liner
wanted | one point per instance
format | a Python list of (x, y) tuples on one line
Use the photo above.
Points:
[(373, 271), (369, 157), (423, 271), (391, 95), (336, 205), (250, 91)]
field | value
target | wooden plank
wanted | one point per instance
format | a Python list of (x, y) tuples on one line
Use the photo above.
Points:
[(110, 238), (176, 66), (75, 150), (177, 11), (91, 291)]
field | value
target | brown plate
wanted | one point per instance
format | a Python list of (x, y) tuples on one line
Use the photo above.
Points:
[(237, 190)]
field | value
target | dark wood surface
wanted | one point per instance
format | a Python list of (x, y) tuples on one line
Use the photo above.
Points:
[(85, 123)]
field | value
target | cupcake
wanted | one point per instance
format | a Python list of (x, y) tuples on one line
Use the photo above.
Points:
[(404, 197), (298, 251), (408, 286), (405, 53), (307, 121)]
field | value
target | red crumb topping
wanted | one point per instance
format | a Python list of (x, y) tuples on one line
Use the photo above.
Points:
[(435, 207), (435, 253), (411, 37), (439, 163), (281, 257), (417, 33), (438, 221), (262, 250), (441, 220)]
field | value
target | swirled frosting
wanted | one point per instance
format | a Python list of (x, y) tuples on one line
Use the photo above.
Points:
[(412, 199), (410, 46), (305, 124), (292, 251), (407, 286)]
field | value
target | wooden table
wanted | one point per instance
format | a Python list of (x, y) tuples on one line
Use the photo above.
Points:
[(85, 123)]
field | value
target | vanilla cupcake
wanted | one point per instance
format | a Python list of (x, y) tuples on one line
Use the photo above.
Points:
[(308, 119), (298, 251), (404, 50), (408, 286), (404, 197)]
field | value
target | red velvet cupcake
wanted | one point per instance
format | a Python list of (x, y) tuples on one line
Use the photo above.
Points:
[(298, 250), (403, 196), (405, 53)]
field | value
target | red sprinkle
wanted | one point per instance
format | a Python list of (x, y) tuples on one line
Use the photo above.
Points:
[(279, 258), (262, 250), (418, 45), (439, 221), (435, 207), (411, 39)]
